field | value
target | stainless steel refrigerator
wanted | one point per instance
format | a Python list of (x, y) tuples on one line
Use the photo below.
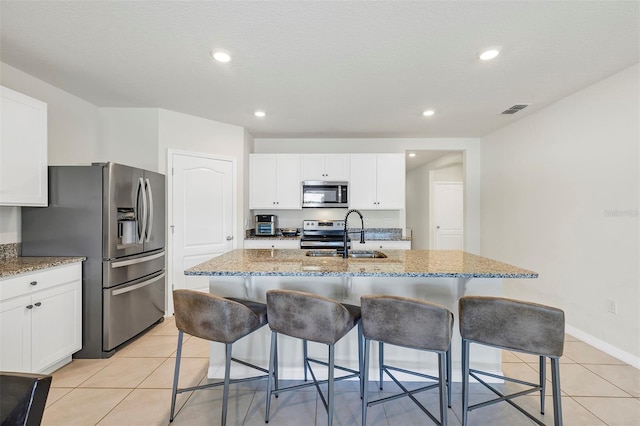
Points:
[(114, 215)]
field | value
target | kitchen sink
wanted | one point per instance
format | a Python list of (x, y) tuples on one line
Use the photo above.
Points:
[(356, 254), (367, 254)]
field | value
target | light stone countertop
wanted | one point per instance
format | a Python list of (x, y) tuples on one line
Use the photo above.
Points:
[(399, 263), (20, 265)]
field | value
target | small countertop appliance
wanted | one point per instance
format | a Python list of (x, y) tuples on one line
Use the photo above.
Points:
[(266, 224)]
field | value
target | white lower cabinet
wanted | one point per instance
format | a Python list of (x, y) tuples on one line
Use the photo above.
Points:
[(381, 245), (40, 319), (269, 244)]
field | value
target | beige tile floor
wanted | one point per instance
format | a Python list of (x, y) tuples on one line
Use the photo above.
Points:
[(134, 388)]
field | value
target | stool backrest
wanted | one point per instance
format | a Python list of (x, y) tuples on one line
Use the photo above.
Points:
[(406, 322), (212, 317), (307, 316), (512, 324)]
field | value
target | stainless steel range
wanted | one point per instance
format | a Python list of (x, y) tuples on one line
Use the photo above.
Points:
[(323, 234)]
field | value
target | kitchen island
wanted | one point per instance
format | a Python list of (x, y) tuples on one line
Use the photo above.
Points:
[(438, 276)]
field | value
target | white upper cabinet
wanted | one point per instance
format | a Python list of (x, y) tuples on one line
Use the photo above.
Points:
[(327, 167), (377, 182), (23, 150), (275, 181)]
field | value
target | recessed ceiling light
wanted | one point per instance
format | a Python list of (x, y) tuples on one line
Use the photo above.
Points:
[(220, 56), (413, 154), (260, 114), (428, 113), (487, 55)]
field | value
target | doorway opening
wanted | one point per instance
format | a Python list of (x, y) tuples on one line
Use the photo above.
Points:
[(435, 194)]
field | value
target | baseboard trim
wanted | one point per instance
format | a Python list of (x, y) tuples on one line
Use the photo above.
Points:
[(603, 346)]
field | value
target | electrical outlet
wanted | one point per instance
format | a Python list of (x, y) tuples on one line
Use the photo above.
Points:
[(612, 306)]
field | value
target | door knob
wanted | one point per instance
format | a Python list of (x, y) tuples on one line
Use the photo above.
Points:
[(438, 227), (229, 238)]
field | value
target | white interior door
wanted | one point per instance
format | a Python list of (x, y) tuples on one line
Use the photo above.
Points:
[(203, 212), (449, 215)]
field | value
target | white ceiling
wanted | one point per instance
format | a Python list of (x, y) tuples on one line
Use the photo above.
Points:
[(325, 69)]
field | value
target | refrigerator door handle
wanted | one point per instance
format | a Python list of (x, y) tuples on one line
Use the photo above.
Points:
[(122, 263), (137, 286), (150, 218), (142, 190)]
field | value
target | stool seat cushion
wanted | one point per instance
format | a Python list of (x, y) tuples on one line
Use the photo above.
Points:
[(512, 324), (310, 316), (407, 322), (216, 318), (260, 309)]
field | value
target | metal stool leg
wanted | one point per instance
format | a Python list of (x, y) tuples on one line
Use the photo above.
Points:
[(381, 361), (543, 381), (175, 376), (225, 390), (272, 359), (360, 357), (365, 380), (465, 381), (442, 383), (304, 358), (332, 356), (557, 401), (449, 377)]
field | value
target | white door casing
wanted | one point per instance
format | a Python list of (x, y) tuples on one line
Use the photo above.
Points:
[(448, 215), (202, 215)]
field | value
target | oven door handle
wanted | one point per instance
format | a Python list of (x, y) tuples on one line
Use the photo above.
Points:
[(137, 286)]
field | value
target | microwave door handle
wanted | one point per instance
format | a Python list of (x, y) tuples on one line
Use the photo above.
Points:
[(150, 218), (144, 210)]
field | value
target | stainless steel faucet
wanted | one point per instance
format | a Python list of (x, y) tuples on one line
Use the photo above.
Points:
[(345, 252)]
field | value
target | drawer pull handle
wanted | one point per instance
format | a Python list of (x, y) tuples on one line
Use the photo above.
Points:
[(29, 306), (34, 283), (38, 303)]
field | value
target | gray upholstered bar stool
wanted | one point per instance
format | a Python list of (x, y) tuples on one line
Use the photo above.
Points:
[(314, 318), (216, 319), (517, 326), (410, 323)]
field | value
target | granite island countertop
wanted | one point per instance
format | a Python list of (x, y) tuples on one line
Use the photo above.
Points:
[(399, 263), (20, 265)]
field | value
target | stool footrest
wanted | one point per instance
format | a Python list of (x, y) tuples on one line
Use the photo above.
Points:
[(213, 385), (502, 397), (407, 392)]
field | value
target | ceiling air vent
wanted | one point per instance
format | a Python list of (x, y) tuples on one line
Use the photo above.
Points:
[(514, 109)]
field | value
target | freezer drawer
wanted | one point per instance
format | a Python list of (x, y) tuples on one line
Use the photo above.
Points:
[(123, 270), (130, 308)]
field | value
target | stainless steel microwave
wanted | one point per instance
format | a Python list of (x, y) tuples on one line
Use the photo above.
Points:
[(316, 193)]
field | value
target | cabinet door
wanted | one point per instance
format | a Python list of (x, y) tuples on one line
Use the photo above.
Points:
[(15, 334), (336, 167), (362, 181), (23, 150), (262, 187), (390, 182), (313, 167), (56, 324), (289, 184)]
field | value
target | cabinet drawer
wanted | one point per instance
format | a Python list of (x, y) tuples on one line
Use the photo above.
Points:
[(268, 244), (40, 280)]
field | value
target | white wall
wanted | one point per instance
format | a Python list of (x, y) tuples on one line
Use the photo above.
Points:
[(470, 148), (130, 136), (72, 133), (550, 183)]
